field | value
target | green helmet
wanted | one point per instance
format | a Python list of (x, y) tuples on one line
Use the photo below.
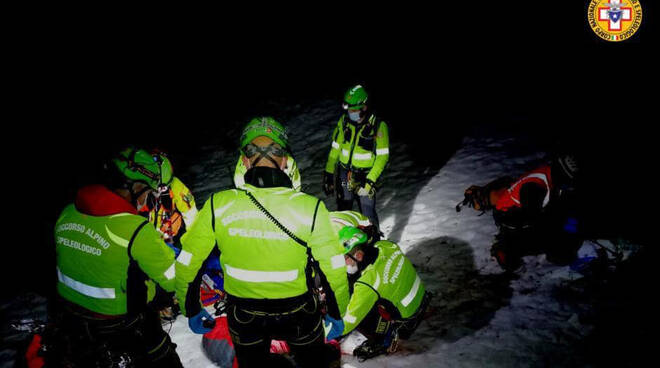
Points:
[(267, 127), (139, 165), (355, 98), (351, 237)]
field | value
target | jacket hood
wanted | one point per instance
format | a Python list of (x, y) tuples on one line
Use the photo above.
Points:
[(97, 200)]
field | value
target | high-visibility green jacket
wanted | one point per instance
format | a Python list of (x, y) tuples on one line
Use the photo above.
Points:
[(363, 147), (260, 261), (166, 219), (339, 219), (390, 281), (105, 253), (291, 170), (183, 201)]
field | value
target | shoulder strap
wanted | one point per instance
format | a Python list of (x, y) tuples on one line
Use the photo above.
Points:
[(316, 210), (277, 223), (372, 126), (130, 242), (212, 215), (136, 289), (370, 287), (312, 267)]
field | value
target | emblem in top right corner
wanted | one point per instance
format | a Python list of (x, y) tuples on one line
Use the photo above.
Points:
[(615, 20)]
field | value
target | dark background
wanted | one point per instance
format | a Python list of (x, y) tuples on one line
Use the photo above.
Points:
[(77, 93)]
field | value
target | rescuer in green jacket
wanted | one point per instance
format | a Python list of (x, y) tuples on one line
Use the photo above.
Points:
[(264, 233), (388, 300), (360, 151), (105, 254), (340, 219)]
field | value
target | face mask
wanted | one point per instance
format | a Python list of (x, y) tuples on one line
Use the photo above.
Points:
[(354, 116), (352, 269)]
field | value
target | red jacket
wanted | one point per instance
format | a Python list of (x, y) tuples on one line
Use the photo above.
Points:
[(511, 197)]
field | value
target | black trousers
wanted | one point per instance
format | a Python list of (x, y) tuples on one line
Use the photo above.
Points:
[(297, 321), (345, 196), (80, 340), (380, 324), (520, 236)]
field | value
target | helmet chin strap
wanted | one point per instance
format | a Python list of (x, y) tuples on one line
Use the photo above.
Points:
[(266, 157)]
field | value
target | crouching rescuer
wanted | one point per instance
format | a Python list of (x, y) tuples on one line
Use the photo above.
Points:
[(269, 236), (105, 253), (389, 299)]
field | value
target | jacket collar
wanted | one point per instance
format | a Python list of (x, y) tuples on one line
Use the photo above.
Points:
[(97, 200), (267, 177)]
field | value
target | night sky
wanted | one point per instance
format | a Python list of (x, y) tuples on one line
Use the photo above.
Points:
[(77, 94)]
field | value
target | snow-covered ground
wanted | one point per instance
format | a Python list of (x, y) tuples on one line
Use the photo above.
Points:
[(481, 316)]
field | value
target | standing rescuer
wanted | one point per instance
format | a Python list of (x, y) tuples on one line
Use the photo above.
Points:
[(360, 151), (267, 234), (105, 253)]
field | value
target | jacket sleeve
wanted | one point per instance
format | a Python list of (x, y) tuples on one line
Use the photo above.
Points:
[(327, 250), (337, 137), (196, 243), (382, 153), (362, 300), (154, 257)]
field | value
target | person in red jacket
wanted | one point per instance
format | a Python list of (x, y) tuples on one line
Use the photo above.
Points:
[(535, 213)]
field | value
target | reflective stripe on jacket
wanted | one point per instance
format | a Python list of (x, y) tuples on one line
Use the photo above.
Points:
[(363, 147), (511, 197)]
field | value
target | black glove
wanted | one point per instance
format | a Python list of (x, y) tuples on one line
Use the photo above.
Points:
[(328, 183), (477, 197)]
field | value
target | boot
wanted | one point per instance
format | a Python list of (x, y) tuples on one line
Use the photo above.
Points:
[(509, 260), (369, 349)]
